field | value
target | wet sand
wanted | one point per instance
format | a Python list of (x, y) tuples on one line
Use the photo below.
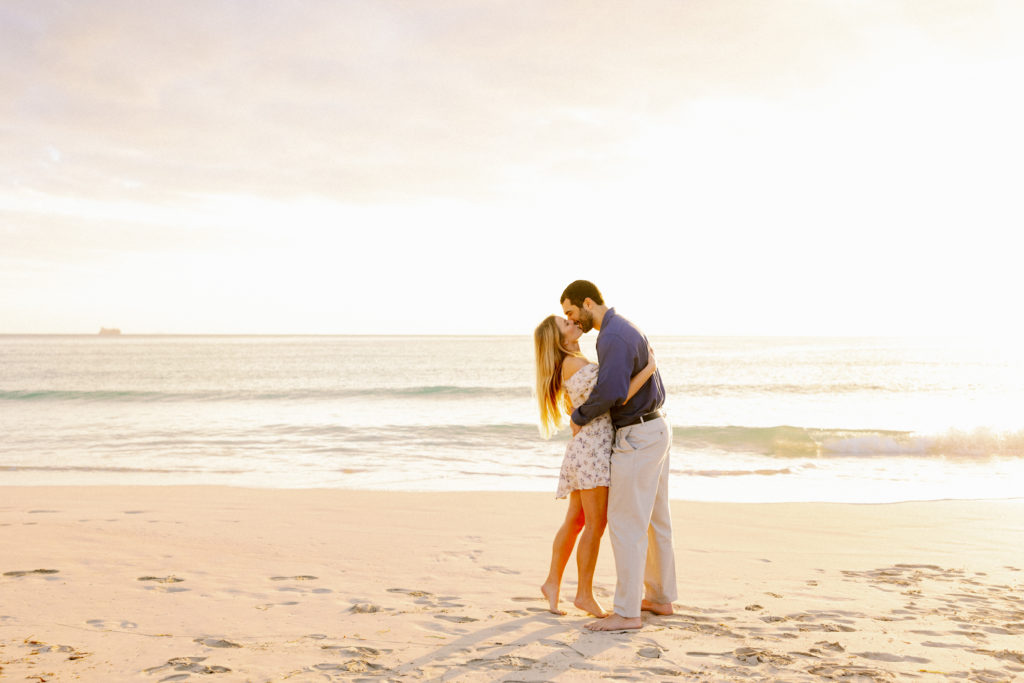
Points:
[(231, 584)]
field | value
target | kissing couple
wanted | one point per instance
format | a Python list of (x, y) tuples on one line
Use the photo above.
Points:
[(616, 466)]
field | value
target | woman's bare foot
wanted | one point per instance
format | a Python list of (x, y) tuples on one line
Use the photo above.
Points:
[(614, 622), (591, 606), (550, 591), (662, 608)]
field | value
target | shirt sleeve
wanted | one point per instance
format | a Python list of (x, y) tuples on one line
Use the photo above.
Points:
[(613, 375)]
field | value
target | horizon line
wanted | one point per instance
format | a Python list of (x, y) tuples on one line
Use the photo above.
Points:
[(478, 334)]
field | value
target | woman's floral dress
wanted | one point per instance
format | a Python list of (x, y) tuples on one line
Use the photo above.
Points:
[(588, 457)]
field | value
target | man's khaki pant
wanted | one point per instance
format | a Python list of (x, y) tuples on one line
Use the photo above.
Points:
[(639, 523)]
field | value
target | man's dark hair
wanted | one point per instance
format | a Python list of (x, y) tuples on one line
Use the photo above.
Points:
[(580, 290)]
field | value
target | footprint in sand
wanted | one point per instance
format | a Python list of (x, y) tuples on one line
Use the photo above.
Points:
[(946, 646), (354, 651), (455, 619), (752, 655), (843, 671), (551, 642), (41, 512), (411, 593), (215, 642), (268, 605), (111, 625), (662, 671), (304, 577), (503, 662), (500, 570), (887, 657), (422, 597), (356, 666), (39, 647), (162, 584), (1007, 655), (187, 664), (472, 555), (823, 645), (364, 608), (448, 602), (27, 572)]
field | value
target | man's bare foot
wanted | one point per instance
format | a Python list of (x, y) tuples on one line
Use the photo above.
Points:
[(591, 606), (662, 608), (614, 622), (550, 591)]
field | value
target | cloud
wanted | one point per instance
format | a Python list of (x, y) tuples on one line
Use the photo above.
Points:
[(147, 140), (379, 101)]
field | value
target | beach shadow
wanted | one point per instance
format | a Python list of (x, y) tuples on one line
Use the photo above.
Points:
[(499, 658)]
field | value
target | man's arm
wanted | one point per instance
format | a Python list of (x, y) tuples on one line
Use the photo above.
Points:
[(612, 381)]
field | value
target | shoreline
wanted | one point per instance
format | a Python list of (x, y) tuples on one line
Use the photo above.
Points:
[(674, 495), (161, 582)]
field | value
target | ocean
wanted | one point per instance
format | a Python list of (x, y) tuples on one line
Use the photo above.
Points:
[(754, 419)]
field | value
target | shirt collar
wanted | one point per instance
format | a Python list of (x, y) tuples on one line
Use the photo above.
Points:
[(608, 316)]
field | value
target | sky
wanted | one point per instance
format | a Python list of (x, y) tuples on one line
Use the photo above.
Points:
[(826, 167)]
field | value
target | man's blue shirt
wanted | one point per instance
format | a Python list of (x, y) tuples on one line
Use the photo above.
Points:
[(621, 353)]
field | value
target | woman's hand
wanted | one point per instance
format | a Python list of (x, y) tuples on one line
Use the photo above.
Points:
[(640, 378)]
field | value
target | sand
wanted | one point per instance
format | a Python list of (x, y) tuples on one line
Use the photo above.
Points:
[(231, 584)]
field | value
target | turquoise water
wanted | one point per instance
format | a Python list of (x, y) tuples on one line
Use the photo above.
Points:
[(755, 419)]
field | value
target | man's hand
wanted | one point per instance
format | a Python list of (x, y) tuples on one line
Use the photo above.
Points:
[(575, 428)]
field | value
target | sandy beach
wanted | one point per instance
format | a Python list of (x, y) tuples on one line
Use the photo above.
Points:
[(231, 584)]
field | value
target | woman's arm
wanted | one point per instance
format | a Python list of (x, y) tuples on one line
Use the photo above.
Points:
[(640, 378)]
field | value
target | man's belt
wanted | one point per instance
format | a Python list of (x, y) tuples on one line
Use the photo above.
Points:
[(644, 418)]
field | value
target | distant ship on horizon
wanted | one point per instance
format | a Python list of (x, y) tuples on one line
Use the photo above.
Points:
[(109, 331)]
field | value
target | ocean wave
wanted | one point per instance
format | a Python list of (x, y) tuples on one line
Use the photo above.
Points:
[(789, 441), (780, 441), (732, 473), (740, 389), (433, 391)]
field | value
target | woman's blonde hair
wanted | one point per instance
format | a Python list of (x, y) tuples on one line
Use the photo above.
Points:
[(550, 352)]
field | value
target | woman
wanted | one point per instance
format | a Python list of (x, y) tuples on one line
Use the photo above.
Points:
[(565, 378)]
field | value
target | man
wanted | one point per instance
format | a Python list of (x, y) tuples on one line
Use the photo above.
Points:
[(638, 513)]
